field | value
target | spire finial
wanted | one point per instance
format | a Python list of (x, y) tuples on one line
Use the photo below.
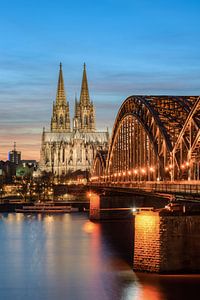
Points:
[(84, 97), (60, 90), (14, 146)]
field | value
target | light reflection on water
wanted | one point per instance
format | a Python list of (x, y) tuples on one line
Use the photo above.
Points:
[(68, 257)]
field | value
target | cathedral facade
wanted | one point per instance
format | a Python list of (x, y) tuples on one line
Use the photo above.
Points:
[(67, 148)]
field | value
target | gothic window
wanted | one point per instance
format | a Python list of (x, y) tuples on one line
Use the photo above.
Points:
[(63, 158), (61, 120), (85, 120), (75, 123)]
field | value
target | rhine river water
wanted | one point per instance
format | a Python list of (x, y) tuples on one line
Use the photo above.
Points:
[(65, 256)]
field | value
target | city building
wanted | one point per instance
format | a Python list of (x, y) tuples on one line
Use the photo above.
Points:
[(67, 148), (7, 171), (14, 156), (26, 168)]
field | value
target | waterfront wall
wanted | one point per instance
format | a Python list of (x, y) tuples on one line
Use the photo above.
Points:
[(166, 243)]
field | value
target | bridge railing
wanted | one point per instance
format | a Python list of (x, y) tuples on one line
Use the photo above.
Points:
[(184, 187)]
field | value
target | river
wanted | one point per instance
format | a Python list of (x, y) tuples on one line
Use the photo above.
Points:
[(65, 256)]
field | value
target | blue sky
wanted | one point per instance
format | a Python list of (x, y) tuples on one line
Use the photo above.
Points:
[(130, 47)]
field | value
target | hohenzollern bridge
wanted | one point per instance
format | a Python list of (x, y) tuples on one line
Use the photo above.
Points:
[(155, 139)]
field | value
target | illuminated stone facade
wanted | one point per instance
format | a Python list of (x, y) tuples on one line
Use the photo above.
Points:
[(167, 242), (67, 149)]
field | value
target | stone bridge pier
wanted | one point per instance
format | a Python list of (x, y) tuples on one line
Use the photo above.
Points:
[(119, 205), (164, 241), (167, 242)]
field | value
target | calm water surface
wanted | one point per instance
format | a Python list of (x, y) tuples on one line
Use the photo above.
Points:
[(67, 257)]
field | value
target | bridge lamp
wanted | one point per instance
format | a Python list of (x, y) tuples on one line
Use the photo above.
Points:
[(115, 175), (170, 166), (135, 172), (129, 172), (151, 169), (119, 174), (187, 164), (166, 169), (124, 173), (182, 166), (143, 171), (134, 209)]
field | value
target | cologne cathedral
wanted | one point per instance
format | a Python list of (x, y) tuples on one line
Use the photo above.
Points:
[(67, 148)]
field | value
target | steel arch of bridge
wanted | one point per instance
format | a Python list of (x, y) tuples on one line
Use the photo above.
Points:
[(155, 138), (99, 164)]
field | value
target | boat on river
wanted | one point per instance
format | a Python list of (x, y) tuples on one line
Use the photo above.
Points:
[(45, 208)]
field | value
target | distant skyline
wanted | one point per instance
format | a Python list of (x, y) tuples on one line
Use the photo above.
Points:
[(129, 47)]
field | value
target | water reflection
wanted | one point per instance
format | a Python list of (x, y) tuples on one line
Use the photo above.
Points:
[(68, 257)]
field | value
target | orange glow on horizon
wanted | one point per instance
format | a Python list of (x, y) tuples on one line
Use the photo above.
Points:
[(28, 144)]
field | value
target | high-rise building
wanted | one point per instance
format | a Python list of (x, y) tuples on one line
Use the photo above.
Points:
[(14, 155), (70, 148)]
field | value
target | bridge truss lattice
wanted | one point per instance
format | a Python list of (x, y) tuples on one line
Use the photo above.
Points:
[(153, 138)]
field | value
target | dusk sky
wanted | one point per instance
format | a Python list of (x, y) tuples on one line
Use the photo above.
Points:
[(129, 47)]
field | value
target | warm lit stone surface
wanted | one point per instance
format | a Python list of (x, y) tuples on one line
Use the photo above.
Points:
[(167, 243), (94, 206)]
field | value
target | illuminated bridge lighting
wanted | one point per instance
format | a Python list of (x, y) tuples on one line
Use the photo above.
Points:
[(162, 129)]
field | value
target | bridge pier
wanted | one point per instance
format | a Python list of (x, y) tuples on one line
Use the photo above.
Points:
[(94, 213), (115, 205), (166, 243), (110, 207)]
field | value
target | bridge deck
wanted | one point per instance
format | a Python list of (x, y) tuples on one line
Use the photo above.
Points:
[(188, 189)]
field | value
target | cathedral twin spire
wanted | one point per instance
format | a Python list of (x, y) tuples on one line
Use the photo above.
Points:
[(84, 97), (84, 117), (60, 97), (60, 121)]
